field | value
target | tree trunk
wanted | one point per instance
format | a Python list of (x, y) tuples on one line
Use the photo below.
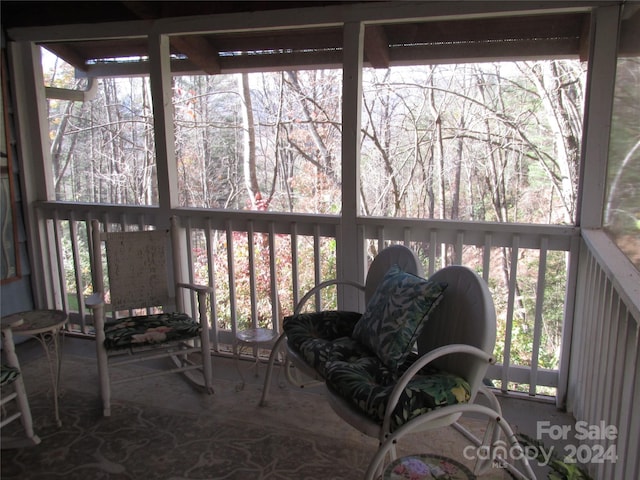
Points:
[(249, 143)]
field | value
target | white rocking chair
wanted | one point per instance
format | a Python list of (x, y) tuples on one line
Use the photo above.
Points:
[(143, 271)]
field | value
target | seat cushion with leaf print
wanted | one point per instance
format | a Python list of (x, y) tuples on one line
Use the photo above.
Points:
[(145, 330), (396, 315), (367, 383), (317, 335)]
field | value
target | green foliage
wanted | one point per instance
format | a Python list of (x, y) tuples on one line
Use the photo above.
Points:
[(558, 468), (622, 215), (472, 142)]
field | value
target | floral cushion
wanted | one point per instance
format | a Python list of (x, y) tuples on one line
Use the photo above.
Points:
[(396, 315), (368, 383), (8, 374), (148, 330), (316, 335)]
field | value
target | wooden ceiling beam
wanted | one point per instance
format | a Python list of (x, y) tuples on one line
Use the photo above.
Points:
[(376, 46), (296, 40), (196, 48), (69, 55), (384, 45), (199, 51)]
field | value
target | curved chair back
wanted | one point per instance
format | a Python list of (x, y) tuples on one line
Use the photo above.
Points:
[(465, 315), (399, 255)]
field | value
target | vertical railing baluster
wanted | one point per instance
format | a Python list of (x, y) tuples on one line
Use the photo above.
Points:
[(89, 251), (380, 237), (211, 249), (515, 247), (77, 270), (295, 276), (602, 373), (407, 236), (537, 326), (584, 311), (595, 317), (253, 297), (317, 264), (188, 232), (608, 413), (458, 248), (614, 365), (232, 284), (273, 277), (61, 297), (592, 319), (433, 248), (486, 257), (595, 320), (629, 397)]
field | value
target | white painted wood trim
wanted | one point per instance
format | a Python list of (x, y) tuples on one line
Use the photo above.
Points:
[(597, 120), (161, 93), (368, 12), (349, 268)]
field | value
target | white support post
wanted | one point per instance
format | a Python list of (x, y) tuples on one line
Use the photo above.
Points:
[(36, 179), (349, 254), (161, 92), (599, 104)]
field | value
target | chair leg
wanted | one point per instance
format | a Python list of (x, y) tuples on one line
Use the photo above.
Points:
[(24, 413), (103, 374), (20, 391), (102, 357), (205, 344), (272, 359), (207, 368), (25, 417)]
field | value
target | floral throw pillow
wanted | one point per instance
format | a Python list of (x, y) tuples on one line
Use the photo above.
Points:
[(396, 315)]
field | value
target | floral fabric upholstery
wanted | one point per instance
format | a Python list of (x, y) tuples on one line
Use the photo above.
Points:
[(362, 356), (144, 330), (319, 335), (368, 383), (8, 374), (396, 314)]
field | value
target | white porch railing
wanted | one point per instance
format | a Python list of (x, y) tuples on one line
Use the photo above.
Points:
[(260, 280), (604, 377)]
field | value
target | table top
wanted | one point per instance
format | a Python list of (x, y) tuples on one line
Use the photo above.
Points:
[(35, 321), (427, 466), (256, 336)]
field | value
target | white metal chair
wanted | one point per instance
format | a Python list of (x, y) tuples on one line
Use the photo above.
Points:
[(458, 339), (13, 391), (399, 255), (144, 273)]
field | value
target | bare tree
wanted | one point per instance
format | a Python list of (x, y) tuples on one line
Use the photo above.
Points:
[(249, 142)]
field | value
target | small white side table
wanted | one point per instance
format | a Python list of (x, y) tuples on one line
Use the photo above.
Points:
[(253, 338), (45, 326)]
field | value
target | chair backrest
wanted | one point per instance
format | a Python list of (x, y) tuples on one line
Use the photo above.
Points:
[(138, 266), (399, 255), (465, 315)]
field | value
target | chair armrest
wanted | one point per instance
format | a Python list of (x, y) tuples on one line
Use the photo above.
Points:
[(423, 361), (196, 287), (322, 285), (94, 300)]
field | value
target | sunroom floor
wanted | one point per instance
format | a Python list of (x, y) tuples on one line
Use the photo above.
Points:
[(288, 405)]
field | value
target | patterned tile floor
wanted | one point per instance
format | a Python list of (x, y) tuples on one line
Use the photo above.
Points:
[(288, 408)]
